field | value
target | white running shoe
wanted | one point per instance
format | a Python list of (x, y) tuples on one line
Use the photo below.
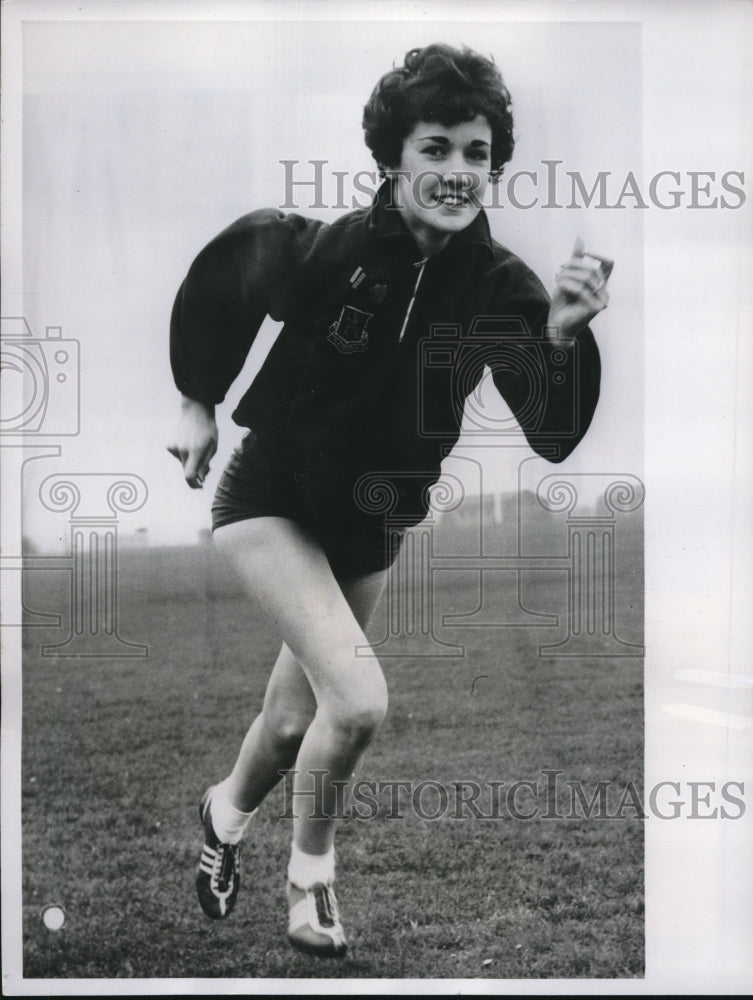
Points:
[(314, 922)]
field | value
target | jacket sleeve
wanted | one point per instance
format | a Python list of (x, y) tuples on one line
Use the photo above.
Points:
[(243, 275), (551, 386)]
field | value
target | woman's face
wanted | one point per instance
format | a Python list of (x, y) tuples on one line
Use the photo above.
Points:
[(441, 179)]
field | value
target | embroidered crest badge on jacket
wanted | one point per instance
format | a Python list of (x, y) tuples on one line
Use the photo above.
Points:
[(348, 333)]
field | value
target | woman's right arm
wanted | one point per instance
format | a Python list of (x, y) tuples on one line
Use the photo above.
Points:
[(194, 440), (243, 275)]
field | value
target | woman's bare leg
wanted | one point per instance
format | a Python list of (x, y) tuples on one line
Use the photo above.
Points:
[(286, 570), (272, 742)]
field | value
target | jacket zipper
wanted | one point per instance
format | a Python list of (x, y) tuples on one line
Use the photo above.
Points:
[(420, 264)]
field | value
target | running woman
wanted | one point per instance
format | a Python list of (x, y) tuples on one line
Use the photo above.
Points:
[(344, 394)]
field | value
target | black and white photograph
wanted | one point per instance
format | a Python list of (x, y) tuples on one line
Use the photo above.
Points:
[(376, 468)]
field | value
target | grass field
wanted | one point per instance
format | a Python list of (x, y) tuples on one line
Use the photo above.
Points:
[(116, 753)]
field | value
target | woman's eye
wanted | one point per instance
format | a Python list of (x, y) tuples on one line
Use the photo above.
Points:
[(479, 155), (435, 151)]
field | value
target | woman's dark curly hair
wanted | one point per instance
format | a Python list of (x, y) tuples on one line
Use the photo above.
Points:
[(438, 84)]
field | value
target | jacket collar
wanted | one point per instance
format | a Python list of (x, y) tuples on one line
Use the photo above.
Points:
[(384, 220)]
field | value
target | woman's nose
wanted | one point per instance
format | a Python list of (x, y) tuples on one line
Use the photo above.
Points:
[(456, 172)]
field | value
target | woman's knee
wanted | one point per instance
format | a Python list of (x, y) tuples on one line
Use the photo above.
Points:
[(358, 714), (287, 724)]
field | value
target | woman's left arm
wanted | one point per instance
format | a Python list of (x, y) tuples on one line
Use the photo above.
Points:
[(580, 293), (552, 377)]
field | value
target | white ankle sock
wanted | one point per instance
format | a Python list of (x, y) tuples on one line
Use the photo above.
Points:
[(229, 823), (307, 870)]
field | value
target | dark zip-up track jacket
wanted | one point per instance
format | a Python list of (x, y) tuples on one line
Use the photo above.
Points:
[(378, 351)]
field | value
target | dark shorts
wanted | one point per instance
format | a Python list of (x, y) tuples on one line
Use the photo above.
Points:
[(259, 481)]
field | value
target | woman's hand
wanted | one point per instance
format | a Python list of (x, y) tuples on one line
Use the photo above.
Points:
[(195, 441), (580, 291)]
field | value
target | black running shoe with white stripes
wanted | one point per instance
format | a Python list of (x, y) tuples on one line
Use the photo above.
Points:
[(219, 874)]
